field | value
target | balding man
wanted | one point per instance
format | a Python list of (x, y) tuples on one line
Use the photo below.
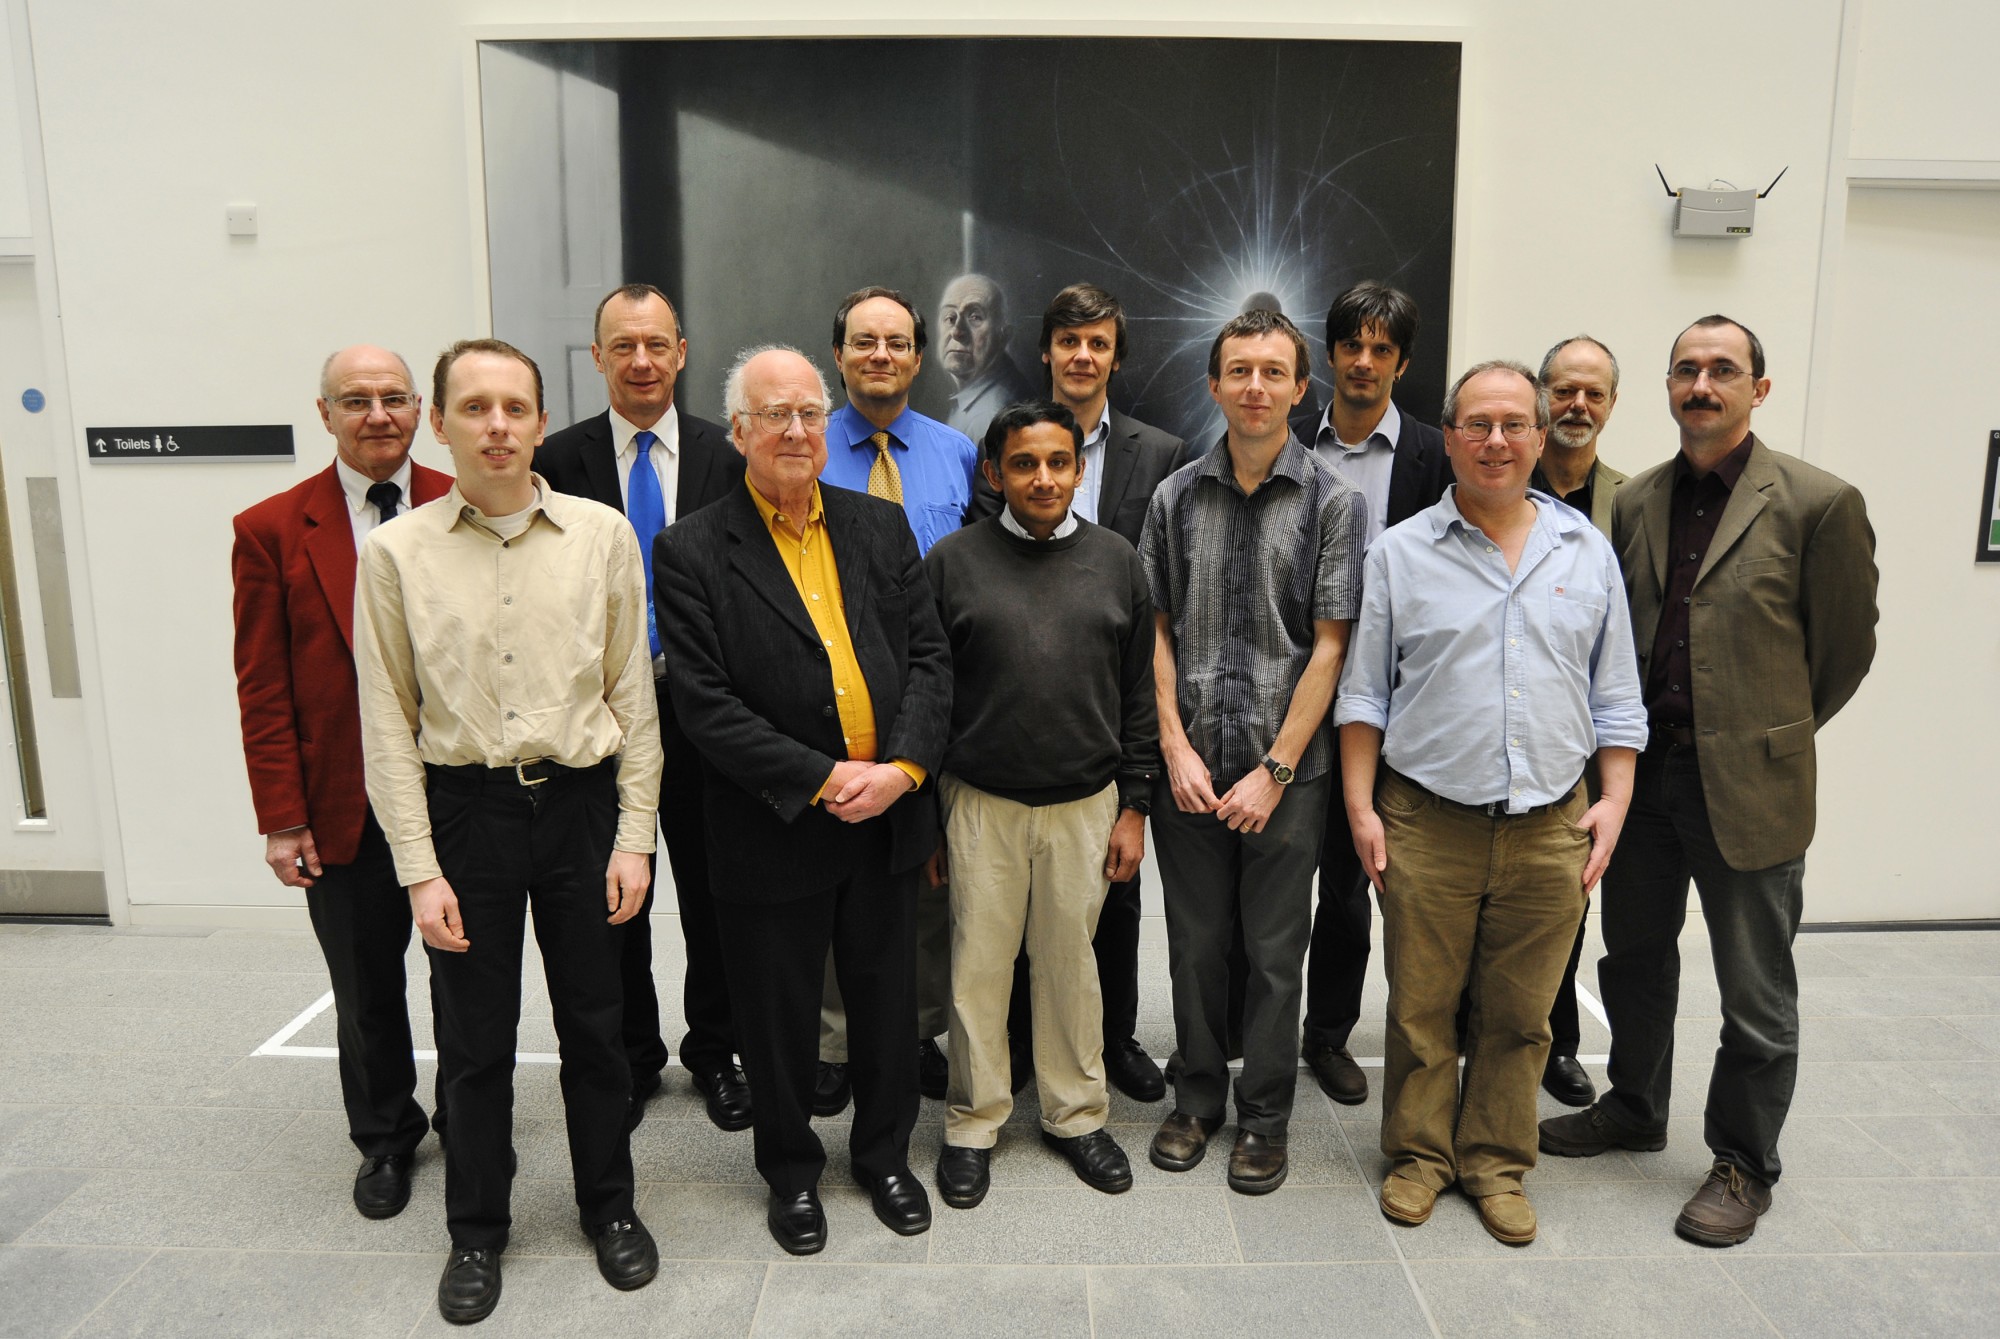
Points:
[(972, 333), (293, 565)]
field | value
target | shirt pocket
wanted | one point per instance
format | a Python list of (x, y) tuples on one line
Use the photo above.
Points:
[(1576, 617)]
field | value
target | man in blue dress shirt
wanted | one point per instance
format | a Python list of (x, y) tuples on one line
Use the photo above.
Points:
[(1492, 660), (877, 444)]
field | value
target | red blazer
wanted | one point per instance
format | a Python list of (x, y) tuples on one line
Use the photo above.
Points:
[(293, 566)]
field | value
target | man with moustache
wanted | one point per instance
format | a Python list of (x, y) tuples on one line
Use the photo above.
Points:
[(1400, 467), (808, 668), (293, 565), (1253, 558), (1083, 341), (687, 464), (877, 444), (973, 331), (1752, 582), (507, 715), (1477, 832)]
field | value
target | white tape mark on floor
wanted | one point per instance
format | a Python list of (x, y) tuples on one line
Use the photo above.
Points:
[(279, 1043)]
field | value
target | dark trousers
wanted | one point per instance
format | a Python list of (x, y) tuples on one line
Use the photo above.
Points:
[(1565, 1030), (1116, 946), (509, 852), (710, 1043), (1752, 916), (1211, 878), (1338, 962), (361, 916), (774, 956)]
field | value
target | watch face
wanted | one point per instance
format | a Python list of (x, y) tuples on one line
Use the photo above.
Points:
[(1281, 774)]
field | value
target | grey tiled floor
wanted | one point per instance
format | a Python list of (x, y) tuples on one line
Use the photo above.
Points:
[(157, 1178)]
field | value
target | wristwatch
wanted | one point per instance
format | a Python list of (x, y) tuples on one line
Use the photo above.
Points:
[(1279, 772)]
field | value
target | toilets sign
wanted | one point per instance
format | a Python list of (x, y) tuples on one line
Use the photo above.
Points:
[(233, 441)]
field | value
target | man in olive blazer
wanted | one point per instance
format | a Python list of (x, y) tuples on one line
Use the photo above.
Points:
[(1752, 581)]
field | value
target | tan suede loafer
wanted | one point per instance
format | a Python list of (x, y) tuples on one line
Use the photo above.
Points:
[(1507, 1217), (1406, 1201)]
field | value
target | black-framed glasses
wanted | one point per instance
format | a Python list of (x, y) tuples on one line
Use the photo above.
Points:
[(357, 405)]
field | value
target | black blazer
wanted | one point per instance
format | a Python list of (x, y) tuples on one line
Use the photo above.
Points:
[(1136, 457), (1421, 471), (582, 461), (751, 686)]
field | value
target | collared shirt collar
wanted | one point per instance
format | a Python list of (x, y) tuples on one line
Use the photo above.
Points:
[(1102, 432), (1727, 470), (863, 427), (553, 506), (1390, 429), (1064, 528), (1565, 520), (769, 511), (1293, 462), (355, 484), (623, 430)]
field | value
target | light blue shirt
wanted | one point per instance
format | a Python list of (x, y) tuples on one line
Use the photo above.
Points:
[(1492, 686), (936, 463), (1367, 465), (1084, 504)]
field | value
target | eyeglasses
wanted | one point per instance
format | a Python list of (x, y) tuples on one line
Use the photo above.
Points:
[(357, 405), (1479, 429), (1686, 374), (775, 420), (867, 344)]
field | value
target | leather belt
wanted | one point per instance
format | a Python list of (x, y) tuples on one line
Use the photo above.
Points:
[(529, 774), (1662, 736), (1494, 808)]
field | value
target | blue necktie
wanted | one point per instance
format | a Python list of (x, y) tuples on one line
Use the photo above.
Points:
[(647, 511)]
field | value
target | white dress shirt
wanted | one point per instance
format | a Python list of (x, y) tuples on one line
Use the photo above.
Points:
[(360, 510), (666, 458), (1367, 465)]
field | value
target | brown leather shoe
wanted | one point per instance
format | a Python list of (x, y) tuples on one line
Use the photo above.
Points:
[(1257, 1163), (1182, 1141), (1587, 1133), (1339, 1077), (1406, 1201), (1726, 1208), (1507, 1217)]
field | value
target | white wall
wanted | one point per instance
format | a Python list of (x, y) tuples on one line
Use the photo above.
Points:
[(349, 126)]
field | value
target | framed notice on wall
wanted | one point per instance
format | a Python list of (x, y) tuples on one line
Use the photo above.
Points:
[(1989, 504)]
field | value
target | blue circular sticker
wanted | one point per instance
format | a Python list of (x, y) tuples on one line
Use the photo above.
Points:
[(32, 400)]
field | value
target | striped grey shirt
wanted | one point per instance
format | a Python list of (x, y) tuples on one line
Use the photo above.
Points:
[(1242, 579)]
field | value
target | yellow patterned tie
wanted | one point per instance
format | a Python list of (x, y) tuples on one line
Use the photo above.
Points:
[(884, 479)]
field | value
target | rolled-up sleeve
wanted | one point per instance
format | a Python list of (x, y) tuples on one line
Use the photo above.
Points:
[(1370, 672), (1617, 711)]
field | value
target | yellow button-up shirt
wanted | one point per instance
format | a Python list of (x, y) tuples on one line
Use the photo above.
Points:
[(806, 549)]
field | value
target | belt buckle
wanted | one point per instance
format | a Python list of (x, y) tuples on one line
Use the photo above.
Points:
[(522, 776)]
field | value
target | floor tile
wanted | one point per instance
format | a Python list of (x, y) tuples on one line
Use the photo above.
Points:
[(1137, 1227), (48, 1289), (151, 1138), (1972, 1086), (1637, 1218), (1564, 1298), (1981, 1028), (201, 1294), (1810, 1146), (51, 1027), (964, 1302), (1910, 1214), (28, 1196), (1958, 1145), (1307, 1299), (1302, 1223), (541, 1297), (126, 1078), (1937, 1296)]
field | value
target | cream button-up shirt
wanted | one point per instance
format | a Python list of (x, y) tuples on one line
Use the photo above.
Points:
[(476, 648)]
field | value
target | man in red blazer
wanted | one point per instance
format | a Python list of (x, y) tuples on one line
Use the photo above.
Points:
[(293, 566)]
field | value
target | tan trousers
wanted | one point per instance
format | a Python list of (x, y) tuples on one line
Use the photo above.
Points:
[(933, 926), (1034, 875), (1490, 900)]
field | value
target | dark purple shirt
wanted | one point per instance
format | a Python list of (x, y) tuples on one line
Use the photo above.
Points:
[(1697, 510)]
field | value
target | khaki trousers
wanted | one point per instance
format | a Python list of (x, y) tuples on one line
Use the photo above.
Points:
[(1032, 874), (933, 926), (1493, 901)]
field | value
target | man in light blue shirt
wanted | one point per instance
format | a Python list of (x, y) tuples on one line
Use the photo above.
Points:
[(1492, 660)]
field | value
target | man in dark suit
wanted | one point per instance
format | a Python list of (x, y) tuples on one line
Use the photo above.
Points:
[(640, 350), (1399, 465), (1083, 342), (1752, 581), (293, 566), (808, 667)]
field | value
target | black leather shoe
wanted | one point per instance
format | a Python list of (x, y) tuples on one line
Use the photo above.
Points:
[(962, 1175), (797, 1222), (1182, 1141), (1257, 1163), (1339, 1077), (643, 1088), (900, 1202), (382, 1186), (1098, 1160), (830, 1089), (1565, 1080), (626, 1255), (1133, 1072), (933, 1070), (470, 1288), (728, 1094)]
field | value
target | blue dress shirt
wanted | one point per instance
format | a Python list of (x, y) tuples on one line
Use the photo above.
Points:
[(936, 462), (1490, 685)]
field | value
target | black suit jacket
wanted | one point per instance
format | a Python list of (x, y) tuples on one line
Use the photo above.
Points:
[(1136, 457), (1418, 477), (753, 689), (582, 460)]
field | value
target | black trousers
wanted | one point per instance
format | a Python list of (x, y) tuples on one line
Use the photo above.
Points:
[(509, 852), (774, 955), (1116, 946), (361, 916), (710, 1043), (1337, 964)]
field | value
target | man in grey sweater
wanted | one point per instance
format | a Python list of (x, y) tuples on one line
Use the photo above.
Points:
[(1053, 751)]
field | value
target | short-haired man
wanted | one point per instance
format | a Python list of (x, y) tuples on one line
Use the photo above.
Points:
[(972, 334), (639, 347), (1399, 465), (807, 666), (1084, 341), (877, 444), (1048, 616), (1752, 581), (1581, 377), (1253, 559), (293, 566), (1477, 833), (513, 755)]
